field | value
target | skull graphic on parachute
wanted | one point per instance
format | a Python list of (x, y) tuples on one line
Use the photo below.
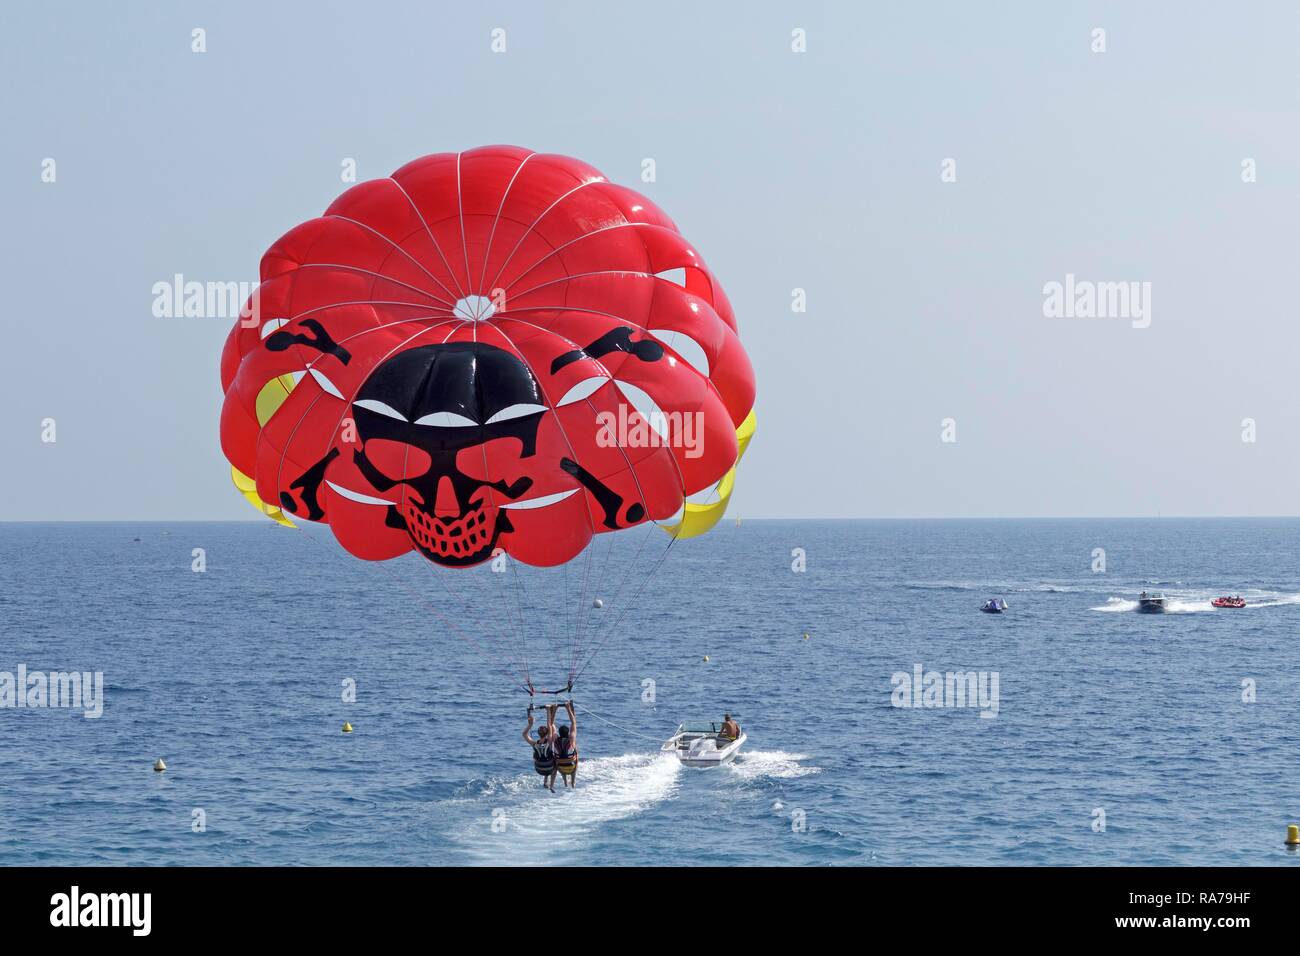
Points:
[(425, 366)]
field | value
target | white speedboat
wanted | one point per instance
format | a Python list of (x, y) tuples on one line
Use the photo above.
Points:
[(698, 745), (1152, 603)]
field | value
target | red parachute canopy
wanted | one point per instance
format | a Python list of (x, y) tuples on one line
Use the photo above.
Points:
[(477, 353)]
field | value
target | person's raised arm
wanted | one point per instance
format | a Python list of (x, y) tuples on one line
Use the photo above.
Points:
[(573, 720), (528, 739)]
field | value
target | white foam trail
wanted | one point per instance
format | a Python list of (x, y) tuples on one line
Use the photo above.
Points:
[(752, 764), (539, 826), (1191, 604), (1187, 605), (1278, 601), (1117, 604)]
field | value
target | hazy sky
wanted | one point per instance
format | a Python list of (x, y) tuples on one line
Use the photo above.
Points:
[(817, 170)]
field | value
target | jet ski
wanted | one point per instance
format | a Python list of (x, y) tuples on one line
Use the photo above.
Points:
[(993, 606), (698, 745), (1151, 603), (1229, 602)]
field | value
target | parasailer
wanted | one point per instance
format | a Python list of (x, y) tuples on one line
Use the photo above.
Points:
[(432, 364), (566, 748), (543, 746)]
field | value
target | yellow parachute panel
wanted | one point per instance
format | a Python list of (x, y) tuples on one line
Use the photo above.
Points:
[(272, 396), (697, 519), (269, 400), (248, 488)]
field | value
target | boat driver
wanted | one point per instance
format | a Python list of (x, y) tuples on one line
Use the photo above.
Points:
[(730, 729)]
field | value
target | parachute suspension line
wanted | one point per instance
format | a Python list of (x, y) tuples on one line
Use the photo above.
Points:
[(555, 625), (523, 660), (600, 580), (457, 598), (631, 469), (465, 601), (554, 621), (383, 564), (535, 588), (523, 636), (541, 598), (581, 607), (515, 622), (616, 592), (582, 611), (584, 607), (624, 730), (494, 663), (609, 552), (585, 610), (565, 599), (503, 660), (552, 601), (625, 606), (534, 602)]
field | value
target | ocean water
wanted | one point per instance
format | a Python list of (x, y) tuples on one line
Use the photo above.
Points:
[(235, 675)]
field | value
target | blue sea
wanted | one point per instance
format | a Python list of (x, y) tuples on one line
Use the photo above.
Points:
[(229, 649)]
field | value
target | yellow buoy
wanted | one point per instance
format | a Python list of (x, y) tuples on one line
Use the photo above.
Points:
[(805, 635), (1293, 835), (347, 728), (160, 767), (706, 658)]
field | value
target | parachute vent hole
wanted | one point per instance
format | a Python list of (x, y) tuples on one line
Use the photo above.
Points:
[(474, 308)]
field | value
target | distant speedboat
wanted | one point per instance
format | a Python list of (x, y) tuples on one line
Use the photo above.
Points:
[(1151, 603), (1229, 602), (700, 745), (994, 606)]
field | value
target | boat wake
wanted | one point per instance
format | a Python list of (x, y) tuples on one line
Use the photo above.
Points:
[(1200, 603), (1114, 605), (997, 587), (521, 823), (1278, 601), (753, 764)]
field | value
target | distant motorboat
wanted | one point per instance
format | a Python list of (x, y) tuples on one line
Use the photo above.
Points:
[(994, 606), (702, 745), (1151, 603)]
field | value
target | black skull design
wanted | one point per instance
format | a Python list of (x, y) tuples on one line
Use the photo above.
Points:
[(442, 399)]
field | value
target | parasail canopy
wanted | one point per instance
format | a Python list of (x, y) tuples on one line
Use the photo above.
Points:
[(490, 352)]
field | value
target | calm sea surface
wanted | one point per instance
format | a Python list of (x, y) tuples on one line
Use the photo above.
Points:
[(236, 676)]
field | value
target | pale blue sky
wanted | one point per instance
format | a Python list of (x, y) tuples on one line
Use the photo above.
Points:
[(817, 170)]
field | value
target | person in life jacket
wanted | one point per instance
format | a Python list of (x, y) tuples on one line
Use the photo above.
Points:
[(543, 747), (566, 749), (730, 729)]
